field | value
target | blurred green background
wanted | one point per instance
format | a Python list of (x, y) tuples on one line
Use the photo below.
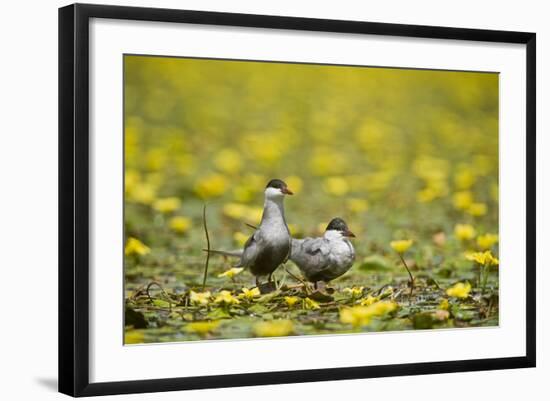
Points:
[(397, 153)]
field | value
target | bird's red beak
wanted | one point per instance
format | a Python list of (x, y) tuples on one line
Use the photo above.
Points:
[(348, 233), (287, 191)]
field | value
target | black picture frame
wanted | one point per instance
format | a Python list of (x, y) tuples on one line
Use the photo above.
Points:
[(74, 194)]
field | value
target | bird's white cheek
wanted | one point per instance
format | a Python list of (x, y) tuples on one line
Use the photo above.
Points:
[(333, 235), (273, 193)]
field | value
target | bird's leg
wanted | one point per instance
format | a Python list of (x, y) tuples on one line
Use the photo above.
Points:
[(257, 282), (269, 278), (319, 294), (267, 287)]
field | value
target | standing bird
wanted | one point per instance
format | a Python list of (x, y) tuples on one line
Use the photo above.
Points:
[(325, 258), (269, 246)]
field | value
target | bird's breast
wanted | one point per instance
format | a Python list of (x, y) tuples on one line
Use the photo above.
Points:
[(342, 252), (276, 232)]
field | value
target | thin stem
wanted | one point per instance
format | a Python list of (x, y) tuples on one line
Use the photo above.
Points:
[(408, 271), (479, 275), (485, 277), (295, 277), (304, 283), (207, 246)]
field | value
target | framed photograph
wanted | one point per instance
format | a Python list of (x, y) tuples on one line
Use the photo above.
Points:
[(251, 199)]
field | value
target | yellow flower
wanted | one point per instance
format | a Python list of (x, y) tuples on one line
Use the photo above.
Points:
[(211, 186), (131, 179), (360, 315), (464, 232), (156, 158), (382, 308), (426, 195), (250, 294), (275, 328), (225, 297), (483, 258), (238, 211), (337, 186), (267, 148), (357, 316), (491, 259), (228, 161), (240, 238), (200, 298), (326, 161), (243, 193), (136, 247), (436, 187), (357, 205), (311, 304), (142, 193), (464, 179), (486, 241), (155, 179), (231, 272), (430, 168), (167, 205), (234, 210), (401, 246), (179, 224), (459, 290), (133, 337), (294, 182), (369, 300), (354, 292), (290, 301), (463, 200), (444, 304), (202, 328), (477, 209)]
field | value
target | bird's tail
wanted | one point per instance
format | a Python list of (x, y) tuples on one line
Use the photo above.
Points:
[(235, 254)]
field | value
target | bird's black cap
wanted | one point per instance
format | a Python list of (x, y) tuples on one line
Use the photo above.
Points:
[(337, 224), (276, 183)]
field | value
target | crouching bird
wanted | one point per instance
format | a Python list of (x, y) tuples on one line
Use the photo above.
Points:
[(269, 246), (325, 258)]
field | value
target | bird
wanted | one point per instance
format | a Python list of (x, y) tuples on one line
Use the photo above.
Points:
[(325, 258), (269, 246)]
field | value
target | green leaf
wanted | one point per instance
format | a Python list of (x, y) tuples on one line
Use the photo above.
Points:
[(268, 297), (258, 309), (374, 263), (161, 303), (423, 320), (218, 313)]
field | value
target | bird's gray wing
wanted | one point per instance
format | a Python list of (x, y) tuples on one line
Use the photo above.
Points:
[(252, 249), (316, 246), (310, 255)]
